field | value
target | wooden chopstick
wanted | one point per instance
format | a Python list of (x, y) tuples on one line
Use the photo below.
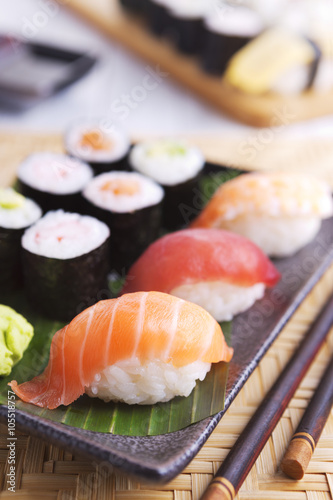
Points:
[(306, 437), (248, 446)]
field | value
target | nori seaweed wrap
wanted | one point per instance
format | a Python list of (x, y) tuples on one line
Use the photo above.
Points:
[(65, 264), (224, 34), (16, 214), (187, 24), (135, 6), (131, 205), (158, 17)]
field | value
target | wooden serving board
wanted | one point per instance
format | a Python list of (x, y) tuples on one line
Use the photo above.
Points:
[(260, 111)]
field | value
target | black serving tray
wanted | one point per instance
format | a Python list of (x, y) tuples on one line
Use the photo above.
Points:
[(159, 459)]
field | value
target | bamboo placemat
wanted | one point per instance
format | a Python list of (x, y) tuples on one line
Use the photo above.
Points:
[(47, 472), (259, 111)]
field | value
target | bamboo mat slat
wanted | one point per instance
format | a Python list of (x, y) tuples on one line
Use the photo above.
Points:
[(50, 473)]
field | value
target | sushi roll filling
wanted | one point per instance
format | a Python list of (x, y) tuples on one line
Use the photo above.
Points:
[(95, 140), (10, 199), (121, 187)]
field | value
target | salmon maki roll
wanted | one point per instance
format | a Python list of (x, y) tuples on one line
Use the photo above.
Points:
[(140, 348), (278, 211), (218, 270)]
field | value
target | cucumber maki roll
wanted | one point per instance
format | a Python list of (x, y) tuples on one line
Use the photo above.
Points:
[(53, 180), (16, 214), (226, 30), (65, 263), (177, 167), (131, 205), (103, 148)]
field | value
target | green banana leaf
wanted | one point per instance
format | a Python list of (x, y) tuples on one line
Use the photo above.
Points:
[(92, 414)]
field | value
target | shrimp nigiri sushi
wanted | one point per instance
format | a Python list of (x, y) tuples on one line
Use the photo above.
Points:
[(221, 271), (278, 211), (141, 348)]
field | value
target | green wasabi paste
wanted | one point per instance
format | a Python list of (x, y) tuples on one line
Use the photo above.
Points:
[(15, 336)]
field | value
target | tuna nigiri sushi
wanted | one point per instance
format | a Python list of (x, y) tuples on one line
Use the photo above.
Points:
[(278, 211), (218, 270), (140, 348)]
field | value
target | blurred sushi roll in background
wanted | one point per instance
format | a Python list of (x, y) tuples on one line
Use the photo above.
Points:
[(227, 28), (292, 69), (131, 205), (53, 180), (135, 6), (158, 17), (104, 148), (177, 167), (221, 271), (17, 213), (186, 24), (280, 212), (65, 263)]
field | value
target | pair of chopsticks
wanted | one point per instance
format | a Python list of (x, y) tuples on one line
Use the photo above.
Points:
[(248, 446)]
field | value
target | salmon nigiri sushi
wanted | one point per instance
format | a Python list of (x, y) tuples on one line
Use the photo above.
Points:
[(221, 271), (280, 212), (141, 348)]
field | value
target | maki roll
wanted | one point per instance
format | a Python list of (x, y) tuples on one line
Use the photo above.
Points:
[(220, 271), (187, 24), (65, 263), (134, 6), (53, 180), (177, 167), (280, 212), (226, 31), (17, 213), (103, 148), (158, 17), (292, 69), (141, 348), (131, 205)]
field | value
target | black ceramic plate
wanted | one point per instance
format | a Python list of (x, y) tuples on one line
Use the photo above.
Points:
[(158, 459)]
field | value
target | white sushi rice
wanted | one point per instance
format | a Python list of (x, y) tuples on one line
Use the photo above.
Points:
[(54, 173), (149, 192), (20, 217), (62, 235), (234, 21), (119, 142), (279, 236), (160, 161), (222, 300), (133, 382)]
